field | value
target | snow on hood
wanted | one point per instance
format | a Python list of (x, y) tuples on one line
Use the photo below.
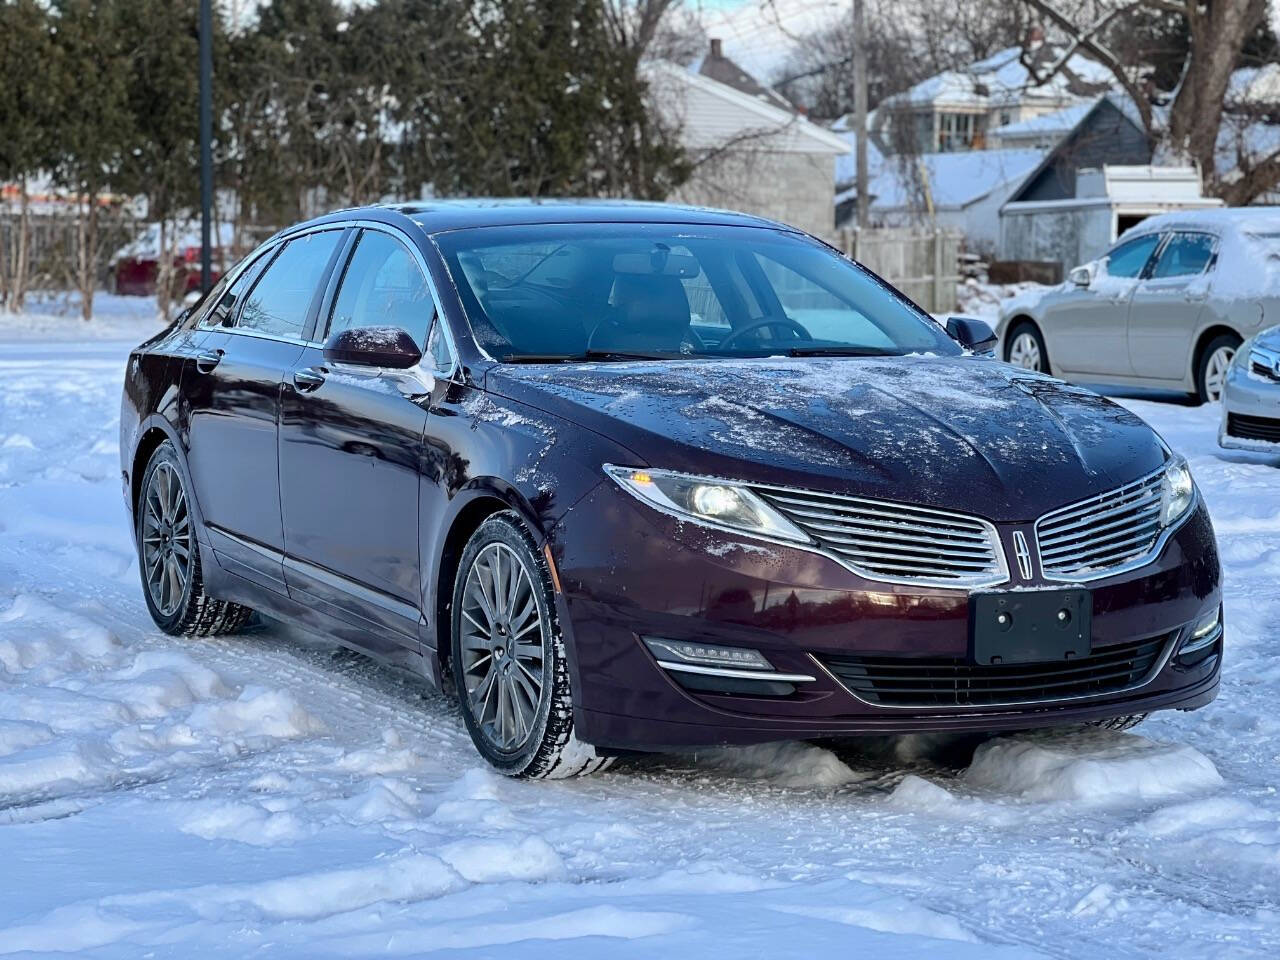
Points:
[(959, 433)]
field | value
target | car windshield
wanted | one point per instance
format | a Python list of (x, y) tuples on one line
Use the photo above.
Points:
[(569, 291)]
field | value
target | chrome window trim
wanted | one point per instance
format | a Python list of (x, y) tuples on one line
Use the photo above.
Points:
[(1173, 638), (1128, 566), (264, 249)]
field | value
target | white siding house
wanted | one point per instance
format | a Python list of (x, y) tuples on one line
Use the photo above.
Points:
[(749, 153)]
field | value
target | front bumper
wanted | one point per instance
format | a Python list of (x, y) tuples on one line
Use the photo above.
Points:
[(1250, 411), (628, 571)]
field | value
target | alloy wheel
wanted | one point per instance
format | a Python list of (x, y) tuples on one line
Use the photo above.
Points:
[(166, 539), (503, 647), (1215, 372), (1025, 352)]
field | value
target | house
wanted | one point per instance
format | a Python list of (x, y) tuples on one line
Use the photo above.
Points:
[(751, 150), (1105, 201), (953, 191), (961, 110), (1042, 132)]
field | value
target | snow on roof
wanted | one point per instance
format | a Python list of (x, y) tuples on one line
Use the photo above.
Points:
[(1002, 78), (1255, 86), (847, 164), (955, 179), (1060, 121)]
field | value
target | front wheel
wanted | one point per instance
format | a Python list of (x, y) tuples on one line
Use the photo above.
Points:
[(169, 556), (508, 659)]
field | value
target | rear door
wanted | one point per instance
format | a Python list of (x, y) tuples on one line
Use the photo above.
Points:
[(232, 393), (350, 448), (1088, 331), (1165, 312)]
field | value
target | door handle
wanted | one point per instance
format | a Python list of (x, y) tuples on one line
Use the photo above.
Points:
[(205, 362), (309, 379)]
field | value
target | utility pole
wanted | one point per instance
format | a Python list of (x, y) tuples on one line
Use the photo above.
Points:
[(206, 144), (860, 108)]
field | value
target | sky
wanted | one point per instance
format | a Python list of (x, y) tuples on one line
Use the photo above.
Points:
[(757, 33)]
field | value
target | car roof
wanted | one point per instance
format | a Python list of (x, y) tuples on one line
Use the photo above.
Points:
[(1212, 219), (440, 216)]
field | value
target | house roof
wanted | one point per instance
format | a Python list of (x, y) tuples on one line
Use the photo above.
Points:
[(955, 179), (716, 66), (1002, 78), (713, 115), (1058, 122)]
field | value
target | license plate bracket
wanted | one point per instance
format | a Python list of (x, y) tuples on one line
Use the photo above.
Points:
[(1030, 626)]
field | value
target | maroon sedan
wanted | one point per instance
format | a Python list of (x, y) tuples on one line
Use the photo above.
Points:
[(631, 477)]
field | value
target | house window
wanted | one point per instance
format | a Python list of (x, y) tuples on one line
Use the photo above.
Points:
[(957, 131)]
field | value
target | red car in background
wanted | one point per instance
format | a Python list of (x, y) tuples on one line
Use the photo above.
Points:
[(132, 270)]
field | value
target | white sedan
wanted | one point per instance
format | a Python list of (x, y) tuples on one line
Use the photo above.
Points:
[(1167, 306)]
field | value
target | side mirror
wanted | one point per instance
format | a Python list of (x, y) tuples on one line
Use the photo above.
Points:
[(1082, 276), (373, 347), (972, 334)]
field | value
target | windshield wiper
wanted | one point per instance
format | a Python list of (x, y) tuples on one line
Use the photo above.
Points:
[(841, 352), (606, 355)]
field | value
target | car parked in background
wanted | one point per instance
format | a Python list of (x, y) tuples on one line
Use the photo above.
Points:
[(1167, 307), (132, 270), (630, 476), (1251, 397)]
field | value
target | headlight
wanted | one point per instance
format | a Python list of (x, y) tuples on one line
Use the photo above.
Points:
[(1177, 490), (714, 503)]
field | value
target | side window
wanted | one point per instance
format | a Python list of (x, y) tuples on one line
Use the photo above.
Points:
[(278, 303), (1128, 259), (1185, 255), (221, 306), (383, 286)]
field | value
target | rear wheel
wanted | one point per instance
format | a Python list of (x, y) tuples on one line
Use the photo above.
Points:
[(1211, 370), (508, 658), (169, 557), (1025, 348)]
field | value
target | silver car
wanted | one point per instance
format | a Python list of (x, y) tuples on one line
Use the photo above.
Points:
[(1167, 306), (1251, 398)]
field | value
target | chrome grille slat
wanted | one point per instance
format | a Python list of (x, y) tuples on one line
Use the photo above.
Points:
[(1134, 532), (899, 543), (1103, 533)]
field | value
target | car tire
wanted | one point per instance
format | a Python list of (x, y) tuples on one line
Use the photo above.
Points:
[(1025, 347), (173, 585), (1120, 723), (508, 660), (1211, 366)]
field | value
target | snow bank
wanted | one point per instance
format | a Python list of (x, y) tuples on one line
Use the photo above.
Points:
[(1092, 767), (786, 764)]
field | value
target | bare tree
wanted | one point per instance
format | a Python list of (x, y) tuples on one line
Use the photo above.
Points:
[(1191, 127)]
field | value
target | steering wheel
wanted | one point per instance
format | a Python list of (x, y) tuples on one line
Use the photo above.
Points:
[(762, 323)]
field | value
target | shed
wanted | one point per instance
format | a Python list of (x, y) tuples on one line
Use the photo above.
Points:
[(1107, 201)]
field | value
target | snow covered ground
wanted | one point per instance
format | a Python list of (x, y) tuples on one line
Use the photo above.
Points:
[(270, 794)]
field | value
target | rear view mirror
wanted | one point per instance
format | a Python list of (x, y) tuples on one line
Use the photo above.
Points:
[(972, 334), (1082, 276), (373, 347)]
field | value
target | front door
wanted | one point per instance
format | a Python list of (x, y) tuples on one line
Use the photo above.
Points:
[(1088, 330), (231, 391), (1165, 312), (350, 444)]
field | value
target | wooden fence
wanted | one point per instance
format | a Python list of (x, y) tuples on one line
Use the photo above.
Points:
[(922, 263)]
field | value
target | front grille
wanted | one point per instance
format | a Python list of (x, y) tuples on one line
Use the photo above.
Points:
[(1101, 533), (945, 682), (896, 542), (1253, 428)]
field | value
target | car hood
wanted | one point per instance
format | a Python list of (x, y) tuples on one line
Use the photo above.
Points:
[(960, 433), (1269, 338)]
